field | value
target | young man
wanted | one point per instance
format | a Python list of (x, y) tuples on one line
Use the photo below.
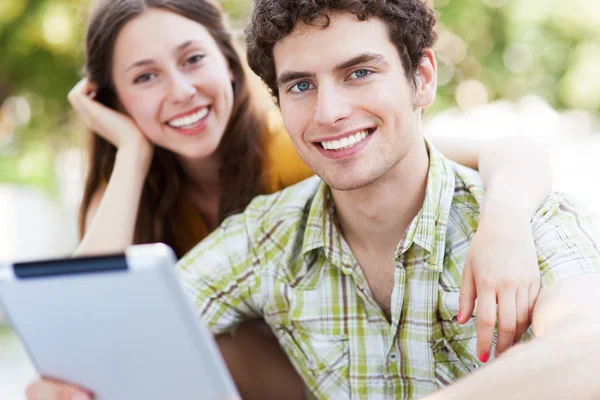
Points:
[(359, 274)]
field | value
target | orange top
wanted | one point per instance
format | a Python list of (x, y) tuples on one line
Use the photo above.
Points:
[(286, 168)]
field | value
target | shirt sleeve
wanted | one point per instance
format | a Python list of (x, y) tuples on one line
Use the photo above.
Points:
[(220, 275), (566, 236)]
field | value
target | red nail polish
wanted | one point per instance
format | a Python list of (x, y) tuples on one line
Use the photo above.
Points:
[(459, 316), (483, 357)]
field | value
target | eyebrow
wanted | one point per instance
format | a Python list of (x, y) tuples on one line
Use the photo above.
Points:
[(364, 58), (372, 58), (178, 49)]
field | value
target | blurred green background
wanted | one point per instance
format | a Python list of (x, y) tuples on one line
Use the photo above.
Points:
[(487, 50)]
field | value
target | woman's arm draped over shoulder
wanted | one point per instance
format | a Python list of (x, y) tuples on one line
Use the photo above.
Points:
[(507, 166)]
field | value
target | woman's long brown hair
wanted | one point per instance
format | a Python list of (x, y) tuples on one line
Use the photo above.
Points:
[(242, 146)]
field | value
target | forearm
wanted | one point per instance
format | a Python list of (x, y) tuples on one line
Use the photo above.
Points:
[(461, 151), (516, 173), (113, 225), (562, 365)]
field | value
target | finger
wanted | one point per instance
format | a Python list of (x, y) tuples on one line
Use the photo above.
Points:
[(486, 322), (91, 89), (95, 115), (468, 293), (83, 87), (523, 314), (46, 389), (507, 321), (78, 98), (81, 97)]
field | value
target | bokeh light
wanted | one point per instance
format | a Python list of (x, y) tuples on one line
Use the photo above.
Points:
[(16, 111), (581, 84), (471, 93), (518, 58), (57, 27)]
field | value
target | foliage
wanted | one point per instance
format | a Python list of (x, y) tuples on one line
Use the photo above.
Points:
[(487, 50)]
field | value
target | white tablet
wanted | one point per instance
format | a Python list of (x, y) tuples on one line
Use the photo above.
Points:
[(119, 326)]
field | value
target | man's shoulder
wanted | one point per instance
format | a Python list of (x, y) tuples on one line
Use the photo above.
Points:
[(560, 208), (269, 220), (566, 233), (469, 190), (290, 202)]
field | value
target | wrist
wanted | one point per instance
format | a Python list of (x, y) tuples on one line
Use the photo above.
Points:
[(507, 209), (133, 160), (508, 197)]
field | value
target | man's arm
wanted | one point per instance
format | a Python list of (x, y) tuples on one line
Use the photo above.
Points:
[(562, 362), (223, 278)]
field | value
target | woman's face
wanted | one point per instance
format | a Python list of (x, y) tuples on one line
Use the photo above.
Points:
[(175, 83)]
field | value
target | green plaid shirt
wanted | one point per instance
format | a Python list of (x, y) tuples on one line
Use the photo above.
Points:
[(284, 259)]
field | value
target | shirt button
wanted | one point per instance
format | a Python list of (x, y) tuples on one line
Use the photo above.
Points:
[(393, 357)]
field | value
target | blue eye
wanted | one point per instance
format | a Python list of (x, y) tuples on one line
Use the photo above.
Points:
[(301, 87), (360, 73)]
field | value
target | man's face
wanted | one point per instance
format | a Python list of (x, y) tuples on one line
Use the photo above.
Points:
[(346, 102)]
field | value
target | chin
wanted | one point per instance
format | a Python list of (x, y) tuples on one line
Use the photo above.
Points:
[(345, 184)]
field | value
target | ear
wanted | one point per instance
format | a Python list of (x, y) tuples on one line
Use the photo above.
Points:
[(426, 80)]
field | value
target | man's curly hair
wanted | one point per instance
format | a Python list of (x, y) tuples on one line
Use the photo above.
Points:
[(410, 24)]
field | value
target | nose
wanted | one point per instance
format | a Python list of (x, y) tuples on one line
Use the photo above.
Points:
[(182, 89), (332, 105)]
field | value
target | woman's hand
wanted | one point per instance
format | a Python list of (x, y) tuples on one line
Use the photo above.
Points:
[(501, 268), (115, 127), (46, 389)]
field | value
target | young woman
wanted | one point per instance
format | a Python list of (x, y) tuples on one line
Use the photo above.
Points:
[(179, 145)]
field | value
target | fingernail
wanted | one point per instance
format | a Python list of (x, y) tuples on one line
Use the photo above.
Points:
[(483, 357), (91, 95), (459, 316)]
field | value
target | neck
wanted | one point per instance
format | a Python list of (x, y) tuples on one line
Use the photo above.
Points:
[(376, 216)]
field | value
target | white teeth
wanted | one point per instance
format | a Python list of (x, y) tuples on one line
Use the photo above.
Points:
[(185, 122), (345, 143)]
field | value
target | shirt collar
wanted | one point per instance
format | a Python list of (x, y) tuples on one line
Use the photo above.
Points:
[(322, 229), (428, 228)]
